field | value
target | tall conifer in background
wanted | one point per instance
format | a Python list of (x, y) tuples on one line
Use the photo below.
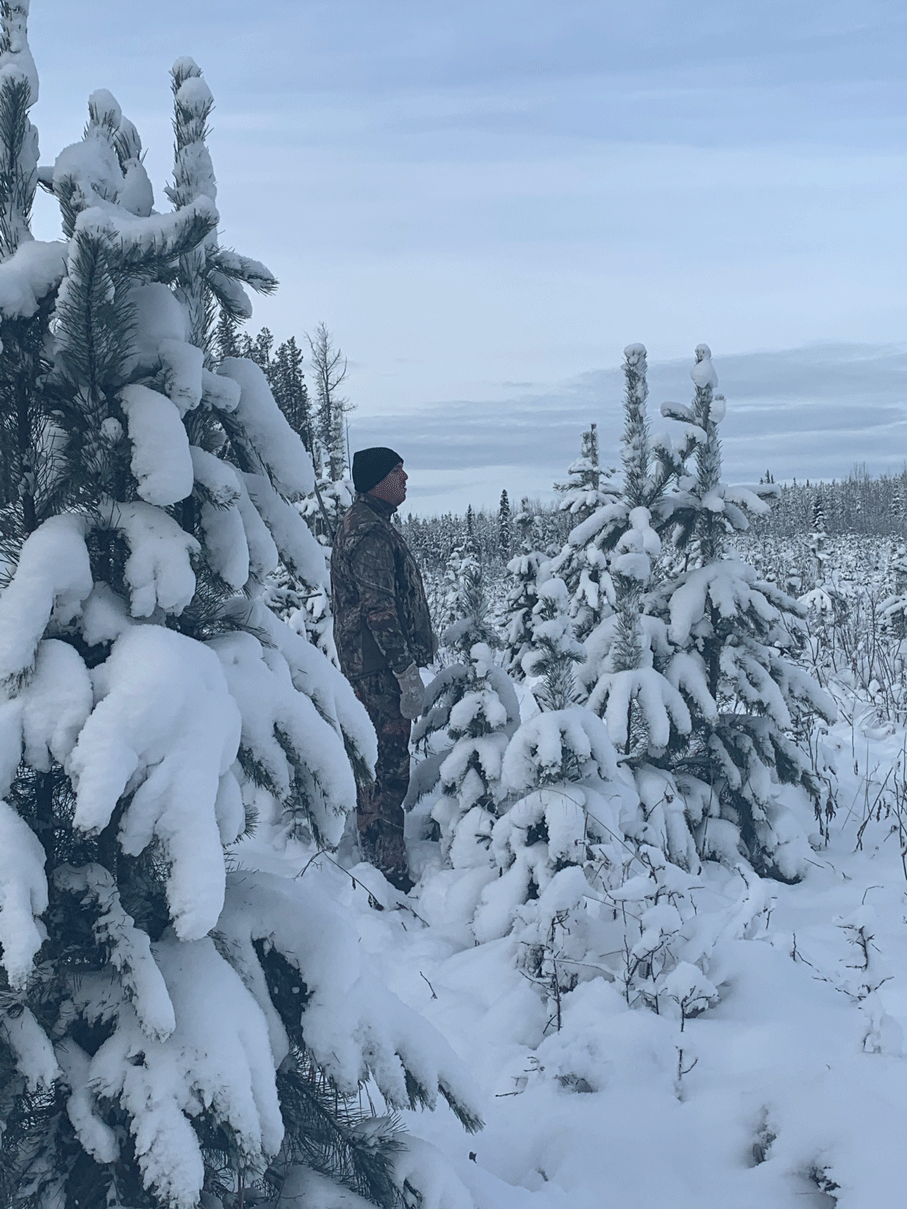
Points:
[(505, 527), (288, 385)]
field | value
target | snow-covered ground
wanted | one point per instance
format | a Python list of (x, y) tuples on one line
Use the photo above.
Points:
[(789, 1093)]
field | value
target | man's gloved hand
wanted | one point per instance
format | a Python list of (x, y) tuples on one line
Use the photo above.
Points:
[(412, 692)]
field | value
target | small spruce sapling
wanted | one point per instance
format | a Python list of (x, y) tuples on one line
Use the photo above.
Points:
[(522, 593), (734, 641), (559, 786), (471, 711), (588, 496)]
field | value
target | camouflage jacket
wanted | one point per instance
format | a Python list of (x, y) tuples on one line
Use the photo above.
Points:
[(381, 617)]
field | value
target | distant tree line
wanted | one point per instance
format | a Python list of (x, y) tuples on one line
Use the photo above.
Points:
[(858, 504)]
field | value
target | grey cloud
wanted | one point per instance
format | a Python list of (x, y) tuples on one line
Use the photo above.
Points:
[(803, 413)]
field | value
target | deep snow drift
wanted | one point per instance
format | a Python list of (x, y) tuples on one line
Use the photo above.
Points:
[(789, 1092)]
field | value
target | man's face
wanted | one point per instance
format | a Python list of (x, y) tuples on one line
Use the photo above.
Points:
[(392, 488)]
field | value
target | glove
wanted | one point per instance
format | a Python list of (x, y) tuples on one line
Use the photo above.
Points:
[(412, 692)]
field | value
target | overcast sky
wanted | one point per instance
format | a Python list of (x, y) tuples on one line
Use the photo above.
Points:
[(486, 200)]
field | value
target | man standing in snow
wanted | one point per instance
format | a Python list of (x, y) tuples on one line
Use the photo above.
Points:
[(383, 633)]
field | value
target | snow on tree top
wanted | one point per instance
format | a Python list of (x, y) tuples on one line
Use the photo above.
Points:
[(634, 352), (104, 109), (194, 93), (185, 65), (703, 372), (16, 60)]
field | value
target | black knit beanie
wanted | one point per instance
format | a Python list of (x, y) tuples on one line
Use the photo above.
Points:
[(370, 466)]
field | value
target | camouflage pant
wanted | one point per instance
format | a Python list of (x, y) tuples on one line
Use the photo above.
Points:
[(380, 804)]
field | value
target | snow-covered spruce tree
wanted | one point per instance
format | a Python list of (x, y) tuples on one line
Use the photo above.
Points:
[(558, 767), (823, 602), (522, 594), (627, 653), (553, 651), (734, 639), (471, 711), (462, 566), (505, 527), (588, 884), (581, 563), (625, 686), (172, 1033)]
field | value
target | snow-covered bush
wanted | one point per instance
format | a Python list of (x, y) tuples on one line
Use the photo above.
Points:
[(586, 883)]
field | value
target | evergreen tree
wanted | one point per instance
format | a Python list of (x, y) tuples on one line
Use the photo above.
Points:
[(581, 491), (645, 713), (210, 280), (226, 338), (169, 1034), (583, 847), (470, 712), (734, 640), (553, 650), (505, 527), (522, 593), (894, 607), (587, 496), (821, 600), (329, 371), (289, 388)]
